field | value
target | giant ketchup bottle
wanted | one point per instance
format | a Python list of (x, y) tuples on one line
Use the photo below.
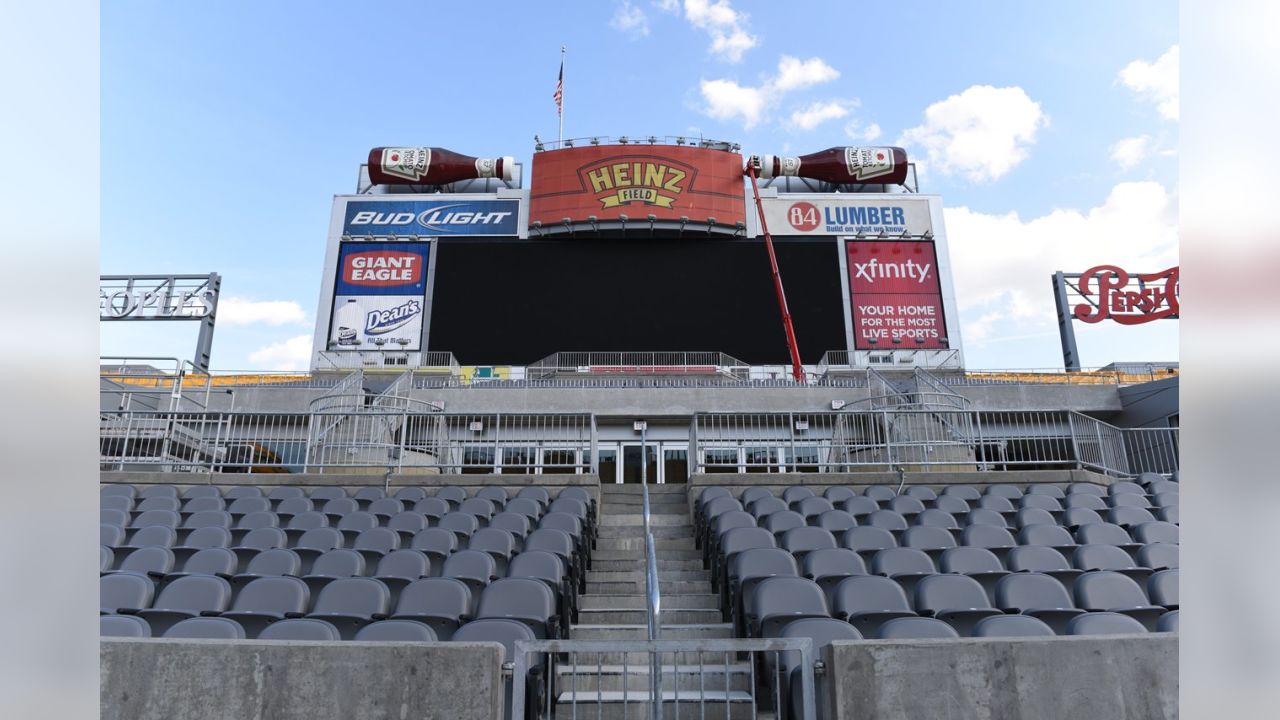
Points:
[(841, 165), (432, 166)]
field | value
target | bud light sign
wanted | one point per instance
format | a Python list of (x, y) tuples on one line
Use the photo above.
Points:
[(379, 296), (895, 295), (399, 218)]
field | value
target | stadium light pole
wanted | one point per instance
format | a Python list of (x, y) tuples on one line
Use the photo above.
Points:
[(797, 372)]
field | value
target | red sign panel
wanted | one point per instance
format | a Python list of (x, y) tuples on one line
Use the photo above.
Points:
[(382, 268), (1153, 296), (895, 295), (667, 181)]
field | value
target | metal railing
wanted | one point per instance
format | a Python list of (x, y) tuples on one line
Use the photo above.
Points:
[(638, 363), (422, 361), (925, 439), (372, 438), (841, 361), (704, 679), (702, 142), (182, 388), (646, 381)]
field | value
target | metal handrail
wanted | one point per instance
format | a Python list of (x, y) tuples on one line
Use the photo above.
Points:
[(653, 599)]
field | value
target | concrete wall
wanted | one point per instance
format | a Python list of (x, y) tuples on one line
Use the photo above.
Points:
[(1129, 677), (276, 680), (1094, 399)]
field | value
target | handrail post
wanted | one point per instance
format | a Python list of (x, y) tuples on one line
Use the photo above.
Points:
[(654, 603)]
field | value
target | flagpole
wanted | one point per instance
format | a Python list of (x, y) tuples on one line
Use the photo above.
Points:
[(561, 138)]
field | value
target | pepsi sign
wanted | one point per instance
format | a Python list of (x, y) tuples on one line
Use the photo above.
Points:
[(397, 218)]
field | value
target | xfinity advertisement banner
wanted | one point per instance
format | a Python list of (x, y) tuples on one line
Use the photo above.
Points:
[(895, 295), (848, 217), (397, 218), (379, 296)]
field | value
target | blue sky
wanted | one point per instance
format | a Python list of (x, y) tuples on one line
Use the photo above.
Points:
[(1050, 130)]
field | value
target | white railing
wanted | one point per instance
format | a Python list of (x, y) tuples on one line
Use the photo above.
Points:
[(638, 363)]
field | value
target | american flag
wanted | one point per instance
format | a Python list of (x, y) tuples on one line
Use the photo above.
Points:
[(559, 94)]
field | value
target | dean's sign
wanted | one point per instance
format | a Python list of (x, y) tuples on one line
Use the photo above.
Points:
[(604, 183), (430, 218), (838, 216)]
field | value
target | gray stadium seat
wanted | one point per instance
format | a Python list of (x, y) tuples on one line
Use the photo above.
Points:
[(752, 494), (813, 506), (866, 601), (720, 526), (795, 494), (516, 524), (243, 491), (978, 563), (905, 505), (200, 539), (202, 491), (1158, 556), (301, 629), (479, 507), (148, 518), (314, 543), (834, 522), (837, 494), (1086, 489), (508, 632), (1106, 534), (410, 495), (475, 568), (1104, 623), (106, 558), (822, 631), (352, 524), (291, 506), (107, 516), (1033, 516), (367, 495), (561, 544), (956, 600), (780, 600), (384, 508), (443, 603), (269, 600), (460, 524), (124, 591), (259, 540), (829, 567), (1041, 559), (999, 503), (1011, 492), (523, 599), (996, 539), (204, 519), (578, 493), (120, 490), (438, 544), (110, 536), (376, 542), (1129, 500), (968, 493), (150, 536), (1127, 516), (1126, 488), (1168, 622), (1108, 557), (337, 508), (932, 517), (254, 521), (951, 505), (1011, 626), (916, 628), (437, 508), (1166, 499), (200, 504), (747, 570), (859, 506), (187, 597), (407, 524), (269, 563), (550, 569), (1037, 595), (733, 542), (498, 543), (1085, 501), (206, 628), (1076, 517), (880, 493), (154, 562), (351, 603), (1047, 535), (904, 565), (922, 493), (1168, 514), (302, 523), (322, 495), (158, 491), (801, 540), (336, 564), (396, 631), (868, 540), (932, 540), (986, 516), (398, 568), (1052, 491), (209, 561), (1162, 589), (283, 492), (123, 503), (782, 521), (887, 519), (765, 506), (1108, 591), (1156, 532), (128, 626)]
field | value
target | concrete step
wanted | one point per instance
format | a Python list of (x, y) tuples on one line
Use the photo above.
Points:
[(588, 676), (610, 489), (708, 631), (602, 555), (635, 543), (670, 615), (638, 575), (655, 520), (637, 531), (610, 705), (708, 601), (638, 500), (665, 587), (637, 564)]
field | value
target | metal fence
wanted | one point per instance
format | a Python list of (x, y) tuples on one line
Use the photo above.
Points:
[(726, 678), (934, 438), (639, 363), (371, 438)]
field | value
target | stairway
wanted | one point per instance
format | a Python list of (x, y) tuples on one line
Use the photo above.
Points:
[(614, 608)]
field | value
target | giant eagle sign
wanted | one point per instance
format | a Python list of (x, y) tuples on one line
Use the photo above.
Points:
[(163, 297)]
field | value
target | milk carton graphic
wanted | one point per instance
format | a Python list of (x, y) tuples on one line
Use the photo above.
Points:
[(347, 322)]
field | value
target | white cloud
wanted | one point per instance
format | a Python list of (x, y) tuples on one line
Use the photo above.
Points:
[(630, 19), (726, 27), (1156, 81), (817, 113), (1127, 153), (857, 133), (1002, 264), (728, 99), (239, 311), (982, 133), (291, 354)]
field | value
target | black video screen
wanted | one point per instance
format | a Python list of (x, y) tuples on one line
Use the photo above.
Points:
[(512, 302)]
